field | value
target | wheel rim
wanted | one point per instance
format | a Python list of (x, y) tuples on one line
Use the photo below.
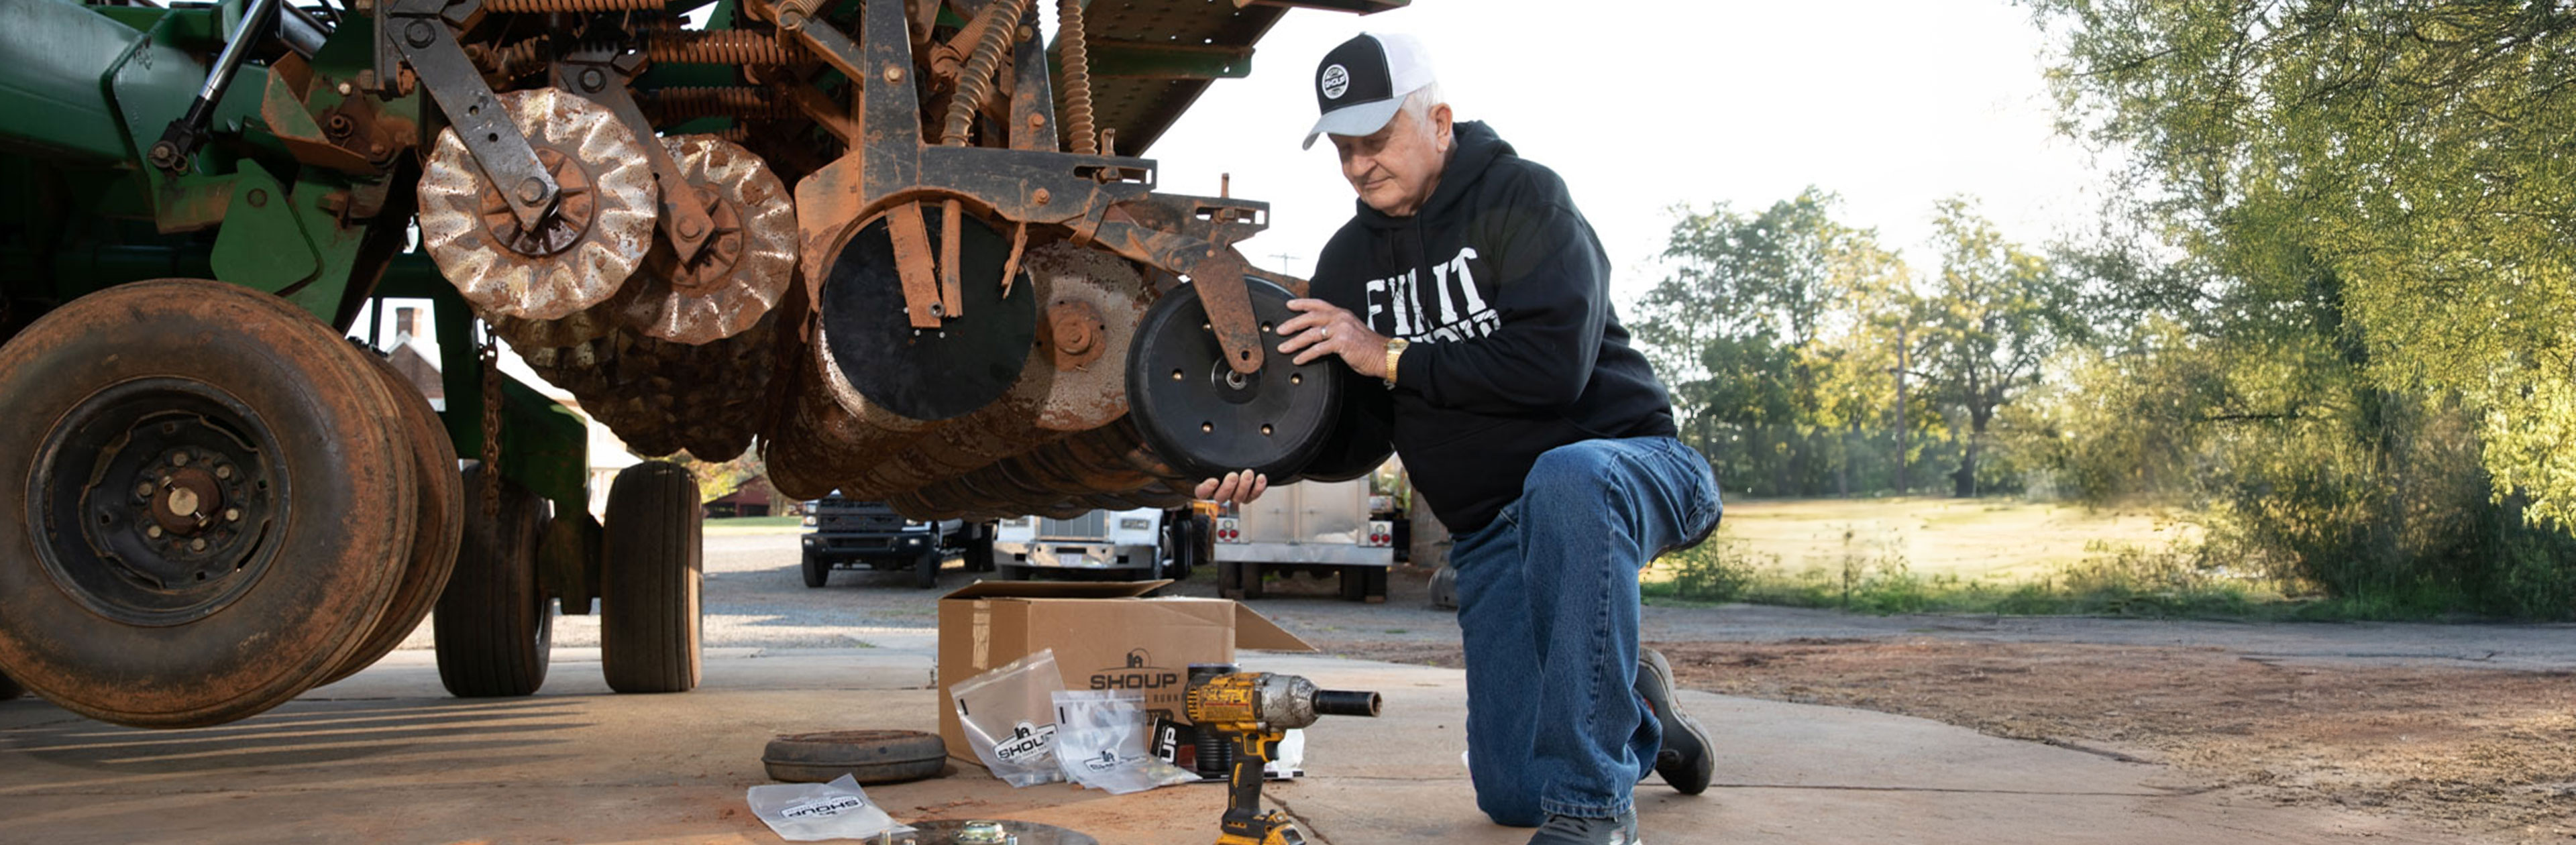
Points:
[(173, 488)]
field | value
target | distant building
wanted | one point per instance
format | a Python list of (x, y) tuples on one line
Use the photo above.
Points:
[(753, 498)]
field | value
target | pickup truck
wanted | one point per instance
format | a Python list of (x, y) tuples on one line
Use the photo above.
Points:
[(844, 534)]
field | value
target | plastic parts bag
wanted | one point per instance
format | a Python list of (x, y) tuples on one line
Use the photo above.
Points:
[(1009, 716), (807, 812), (1100, 742)]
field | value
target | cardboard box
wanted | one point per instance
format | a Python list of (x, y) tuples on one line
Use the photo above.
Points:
[(1103, 634)]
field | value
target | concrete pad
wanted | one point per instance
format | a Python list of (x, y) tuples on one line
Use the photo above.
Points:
[(386, 756)]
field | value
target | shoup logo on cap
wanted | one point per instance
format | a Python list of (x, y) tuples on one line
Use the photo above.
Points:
[(1361, 84)]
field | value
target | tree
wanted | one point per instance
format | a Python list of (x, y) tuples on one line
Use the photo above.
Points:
[(717, 480), (1992, 317), (2413, 152), (1754, 331)]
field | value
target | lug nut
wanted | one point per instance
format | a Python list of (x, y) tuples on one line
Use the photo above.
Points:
[(152, 531), (232, 514), (178, 459), (197, 545), (225, 471), (143, 490)]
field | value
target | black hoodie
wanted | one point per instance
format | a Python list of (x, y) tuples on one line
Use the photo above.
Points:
[(1504, 292)]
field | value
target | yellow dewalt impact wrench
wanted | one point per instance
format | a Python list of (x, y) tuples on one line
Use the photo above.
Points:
[(1251, 712)]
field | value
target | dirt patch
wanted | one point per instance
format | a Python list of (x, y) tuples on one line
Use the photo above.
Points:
[(2484, 751)]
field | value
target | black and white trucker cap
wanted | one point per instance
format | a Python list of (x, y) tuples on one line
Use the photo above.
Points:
[(1362, 84)]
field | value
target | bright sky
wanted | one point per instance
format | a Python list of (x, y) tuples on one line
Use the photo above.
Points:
[(1893, 104)]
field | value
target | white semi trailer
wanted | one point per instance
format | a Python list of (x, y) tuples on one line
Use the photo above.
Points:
[(1322, 528)]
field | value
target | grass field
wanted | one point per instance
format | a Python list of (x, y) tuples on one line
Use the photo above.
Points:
[(1908, 555), (1998, 540)]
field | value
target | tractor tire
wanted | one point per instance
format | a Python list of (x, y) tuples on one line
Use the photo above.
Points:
[(146, 404), (649, 580), (10, 689), (439, 532), (925, 572), (817, 570), (870, 757), (494, 628)]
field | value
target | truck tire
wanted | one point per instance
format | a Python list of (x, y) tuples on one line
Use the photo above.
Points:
[(281, 422), (979, 551), (649, 581), (10, 689), (817, 570), (925, 572), (493, 627), (869, 757)]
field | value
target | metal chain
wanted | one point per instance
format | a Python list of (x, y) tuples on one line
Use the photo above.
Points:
[(490, 356)]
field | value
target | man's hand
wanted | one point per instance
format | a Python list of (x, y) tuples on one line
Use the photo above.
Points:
[(1239, 487), (1321, 329)]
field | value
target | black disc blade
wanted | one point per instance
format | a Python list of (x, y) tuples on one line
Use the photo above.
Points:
[(933, 374), (1207, 420)]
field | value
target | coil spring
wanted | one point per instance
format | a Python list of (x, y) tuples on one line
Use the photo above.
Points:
[(1077, 76), (514, 60), (676, 104), (538, 6), (720, 47), (975, 83)]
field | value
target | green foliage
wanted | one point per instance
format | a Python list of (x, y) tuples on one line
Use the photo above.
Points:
[(1714, 571), (1782, 334), (2410, 153), (1991, 318), (717, 480)]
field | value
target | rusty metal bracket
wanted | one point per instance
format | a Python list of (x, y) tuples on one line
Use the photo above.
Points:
[(420, 32), (952, 285), (600, 74), (922, 302), (1216, 270)]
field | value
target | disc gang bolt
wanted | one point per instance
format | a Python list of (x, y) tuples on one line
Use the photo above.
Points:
[(531, 190)]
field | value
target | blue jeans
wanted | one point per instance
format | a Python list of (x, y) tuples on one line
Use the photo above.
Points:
[(1548, 605)]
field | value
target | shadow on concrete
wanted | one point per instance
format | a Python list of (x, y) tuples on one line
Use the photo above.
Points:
[(302, 734)]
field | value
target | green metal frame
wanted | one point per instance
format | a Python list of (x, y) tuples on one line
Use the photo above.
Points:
[(97, 87)]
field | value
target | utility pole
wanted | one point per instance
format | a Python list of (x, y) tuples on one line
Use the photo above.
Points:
[(1287, 262)]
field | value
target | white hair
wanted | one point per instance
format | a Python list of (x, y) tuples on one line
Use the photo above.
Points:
[(1417, 105)]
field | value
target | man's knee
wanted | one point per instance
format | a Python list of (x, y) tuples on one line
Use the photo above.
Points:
[(1581, 468)]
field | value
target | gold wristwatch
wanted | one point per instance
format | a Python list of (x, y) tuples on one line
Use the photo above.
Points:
[(1394, 349)]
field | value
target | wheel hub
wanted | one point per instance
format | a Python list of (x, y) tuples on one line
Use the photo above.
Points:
[(713, 266), (575, 206), (170, 500)]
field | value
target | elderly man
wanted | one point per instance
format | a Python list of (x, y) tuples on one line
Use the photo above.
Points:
[(1475, 300)]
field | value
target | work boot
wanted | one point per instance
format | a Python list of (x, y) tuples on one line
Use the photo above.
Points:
[(1684, 761), (1577, 830)]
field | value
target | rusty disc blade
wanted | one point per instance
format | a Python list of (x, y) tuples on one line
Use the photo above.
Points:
[(745, 265), (597, 236)]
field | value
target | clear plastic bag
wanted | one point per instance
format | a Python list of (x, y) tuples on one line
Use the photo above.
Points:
[(807, 812), (1009, 716), (1101, 742)]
